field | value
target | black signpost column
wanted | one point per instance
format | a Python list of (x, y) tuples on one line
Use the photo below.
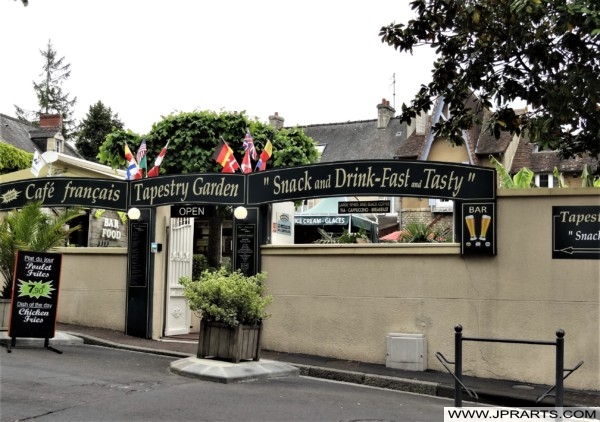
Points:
[(35, 297), (139, 276)]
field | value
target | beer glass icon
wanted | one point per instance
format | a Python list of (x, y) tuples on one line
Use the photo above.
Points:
[(470, 220), (485, 223)]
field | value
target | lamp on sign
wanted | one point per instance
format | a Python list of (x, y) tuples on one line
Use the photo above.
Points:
[(134, 213), (240, 213)]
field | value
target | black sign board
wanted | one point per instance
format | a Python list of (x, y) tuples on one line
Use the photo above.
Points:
[(138, 254), (211, 188), (364, 207), (192, 210), (576, 232), (35, 295), (246, 248), (65, 192), (380, 177), (478, 225)]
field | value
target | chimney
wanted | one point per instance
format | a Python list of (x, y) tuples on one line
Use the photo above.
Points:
[(276, 121), (421, 123), (385, 112), (50, 121)]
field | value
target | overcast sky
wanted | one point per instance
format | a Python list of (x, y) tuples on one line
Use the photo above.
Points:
[(311, 61)]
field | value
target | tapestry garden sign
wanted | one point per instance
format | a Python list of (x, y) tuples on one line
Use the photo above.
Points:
[(461, 183)]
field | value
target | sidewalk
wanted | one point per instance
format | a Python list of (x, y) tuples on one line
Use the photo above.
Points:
[(490, 391)]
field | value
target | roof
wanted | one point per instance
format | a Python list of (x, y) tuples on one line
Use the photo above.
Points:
[(528, 156), (358, 140), (19, 134)]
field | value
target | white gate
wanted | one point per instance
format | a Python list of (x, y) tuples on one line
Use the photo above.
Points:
[(181, 241)]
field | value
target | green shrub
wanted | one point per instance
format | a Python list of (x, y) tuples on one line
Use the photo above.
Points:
[(232, 298), (199, 264)]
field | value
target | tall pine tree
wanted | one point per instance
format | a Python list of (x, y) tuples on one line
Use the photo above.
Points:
[(51, 98), (99, 122)]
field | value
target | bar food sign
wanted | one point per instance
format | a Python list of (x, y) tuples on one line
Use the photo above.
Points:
[(35, 294)]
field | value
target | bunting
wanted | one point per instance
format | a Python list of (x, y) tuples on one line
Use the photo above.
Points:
[(154, 170), (224, 156), (246, 164), (141, 158), (132, 167), (248, 145), (264, 157)]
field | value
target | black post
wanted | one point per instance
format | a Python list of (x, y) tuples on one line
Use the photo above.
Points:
[(560, 366), (458, 366)]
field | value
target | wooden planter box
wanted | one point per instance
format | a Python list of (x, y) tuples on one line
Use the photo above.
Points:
[(218, 340)]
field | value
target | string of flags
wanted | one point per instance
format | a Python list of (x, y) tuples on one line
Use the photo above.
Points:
[(224, 156), (136, 165)]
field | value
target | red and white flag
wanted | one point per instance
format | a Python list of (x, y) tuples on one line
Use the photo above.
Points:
[(246, 164), (154, 170)]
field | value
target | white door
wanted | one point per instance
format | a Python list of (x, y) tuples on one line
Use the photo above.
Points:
[(181, 251)]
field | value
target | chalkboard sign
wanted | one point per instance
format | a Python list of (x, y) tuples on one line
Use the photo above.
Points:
[(35, 295)]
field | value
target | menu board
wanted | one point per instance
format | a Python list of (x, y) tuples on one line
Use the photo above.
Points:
[(246, 248), (35, 294), (138, 258)]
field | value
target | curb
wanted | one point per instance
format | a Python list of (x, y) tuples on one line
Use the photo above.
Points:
[(380, 381)]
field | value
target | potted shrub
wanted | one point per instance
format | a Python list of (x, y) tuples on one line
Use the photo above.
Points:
[(232, 307), (28, 229)]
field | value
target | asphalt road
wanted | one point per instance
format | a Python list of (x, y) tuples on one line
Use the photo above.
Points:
[(92, 383)]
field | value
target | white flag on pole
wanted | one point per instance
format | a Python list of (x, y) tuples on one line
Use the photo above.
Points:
[(37, 164)]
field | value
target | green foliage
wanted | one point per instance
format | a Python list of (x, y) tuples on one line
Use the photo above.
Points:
[(112, 150), (13, 159), (422, 233), (559, 176), (51, 98), (199, 264), (30, 229), (97, 124), (232, 298), (523, 179), (195, 135), (345, 237), (587, 178), (546, 53)]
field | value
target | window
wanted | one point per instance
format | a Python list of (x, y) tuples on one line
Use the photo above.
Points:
[(545, 181)]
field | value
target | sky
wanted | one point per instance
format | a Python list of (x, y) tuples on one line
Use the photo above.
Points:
[(310, 61)]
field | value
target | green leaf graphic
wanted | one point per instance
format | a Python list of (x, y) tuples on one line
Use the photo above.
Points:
[(35, 289)]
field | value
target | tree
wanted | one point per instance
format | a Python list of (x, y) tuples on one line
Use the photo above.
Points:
[(546, 53), (92, 131), (193, 138), (30, 229), (51, 97)]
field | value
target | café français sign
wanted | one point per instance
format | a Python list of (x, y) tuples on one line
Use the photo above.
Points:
[(350, 178)]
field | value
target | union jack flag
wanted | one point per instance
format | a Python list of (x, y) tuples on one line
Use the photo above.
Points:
[(249, 145)]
